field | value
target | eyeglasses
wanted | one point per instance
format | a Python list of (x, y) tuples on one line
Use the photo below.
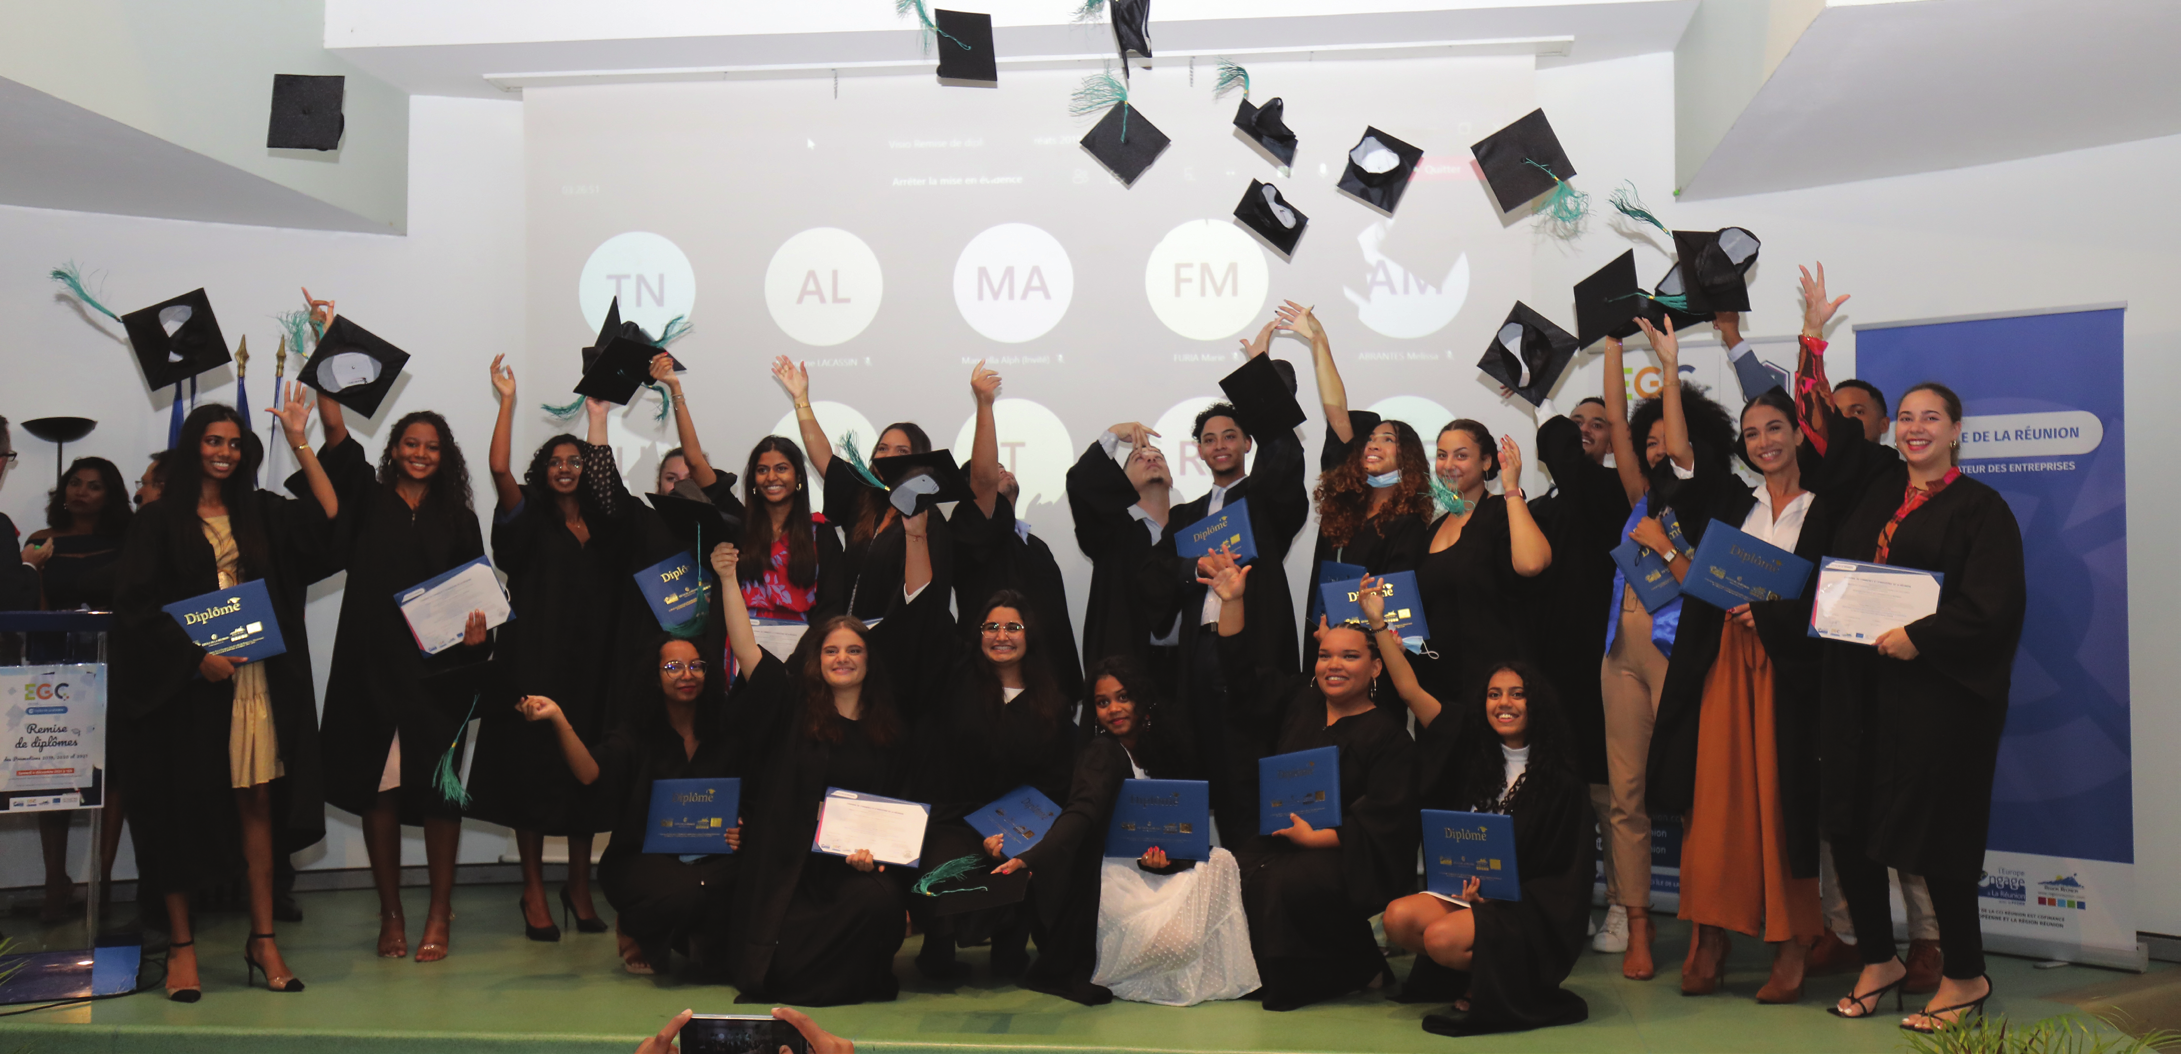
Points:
[(990, 628), (8, 458), (677, 667)]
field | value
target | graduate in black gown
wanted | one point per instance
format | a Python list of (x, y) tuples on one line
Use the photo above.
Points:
[(1121, 505), (227, 753), (1500, 962), (385, 728), (1310, 893), (811, 928), (18, 577), (872, 542), (561, 537), (1484, 553), (790, 555), (675, 726)]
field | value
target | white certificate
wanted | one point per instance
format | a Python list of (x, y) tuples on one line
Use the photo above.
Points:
[(778, 636), (438, 610), (892, 829), (1857, 601)]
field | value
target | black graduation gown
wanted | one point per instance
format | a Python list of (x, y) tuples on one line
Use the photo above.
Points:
[(1910, 747), (1310, 909), (18, 580), (1383, 543), (1525, 948), (809, 929), (80, 574), (659, 900), (1117, 619), (644, 539), (1476, 605), (991, 555), (187, 834), (376, 688), (1582, 518), (561, 645), (863, 578)]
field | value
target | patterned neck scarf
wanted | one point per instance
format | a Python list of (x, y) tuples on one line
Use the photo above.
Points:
[(1911, 500)]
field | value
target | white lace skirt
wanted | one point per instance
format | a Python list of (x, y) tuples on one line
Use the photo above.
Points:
[(1175, 940)]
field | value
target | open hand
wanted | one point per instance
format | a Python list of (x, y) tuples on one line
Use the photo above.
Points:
[(1135, 433), (294, 415), (1227, 580), (984, 385), (1298, 320), (1664, 343), (1816, 310), (1510, 465), (1263, 343), (794, 376)]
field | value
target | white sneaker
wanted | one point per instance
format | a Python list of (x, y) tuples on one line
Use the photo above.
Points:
[(1612, 938)]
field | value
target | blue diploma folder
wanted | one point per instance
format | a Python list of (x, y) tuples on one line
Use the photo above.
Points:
[(1021, 817), (691, 817), (1731, 568), (1230, 526), (1459, 846), (1404, 603), (676, 589), (1305, 783), (1646, 571), (1174, 815), (1331, 571), (237, 622)]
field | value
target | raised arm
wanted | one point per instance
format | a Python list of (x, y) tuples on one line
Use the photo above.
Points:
[(795, 377), (294, 418), (1332, 395), (1420, 702), (332, 422), (1668, 348), (1626, 464), (1813, 390), (916, 562), (578, 756), (504, 484), (984, 445), (594, 414), (741, 639), (1531, 551), (685, 427)]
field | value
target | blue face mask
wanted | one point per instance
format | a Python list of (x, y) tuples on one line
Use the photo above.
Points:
[(1384, 479)]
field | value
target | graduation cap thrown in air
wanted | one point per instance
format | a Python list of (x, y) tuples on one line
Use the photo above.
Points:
[(610, 329), (965, 48), (1265, 395), (1126, 158), (1263, 125), (696, 522), (1528, 354), (1379, 167), (306, 113), (1263, 210), (1673, 299), (618, 371), (1522, 161), (1716, 265), (176, 339), (1607, 302), (916, 482), (1131, 29), (353, 366)]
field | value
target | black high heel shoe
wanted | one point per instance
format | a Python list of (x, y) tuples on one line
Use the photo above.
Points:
[(547, 932), (582, 925), (1873, 996), (290, 984), (1973, 1007), (183, 995)]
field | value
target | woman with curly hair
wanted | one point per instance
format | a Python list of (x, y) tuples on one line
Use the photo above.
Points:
[(385, 726)]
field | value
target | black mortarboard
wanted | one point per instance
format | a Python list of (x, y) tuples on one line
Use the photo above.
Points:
[(619, 370), (1126, 159), (1506, 157), (916, 482), (1263, 395), (975, 889), (1694, 313), (1379, 167), (975, 64), (176, 339), (1607, 302), (606, 333), (452, 689), (1131, 28), (306, 113), (1716, 264), (1262, 125), (686, 518), (353, 366), (1528, 353), (1263, 210)]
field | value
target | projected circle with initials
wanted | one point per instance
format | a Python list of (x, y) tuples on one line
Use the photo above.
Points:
[(823, 286), (1206, 280), (1013, 282), (1034, 445), (647, 271)]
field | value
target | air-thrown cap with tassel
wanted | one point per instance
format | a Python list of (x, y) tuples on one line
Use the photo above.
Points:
[(353, 366), (1122, 140), (916, 482), (1379, 167), (617, 372), (1673, 299), (1524, 160), (1528, 354), (1717, 264), (1607, 302), (1131, 29), (1261, 126), (1263, 210), (965, 48), (176, 339)]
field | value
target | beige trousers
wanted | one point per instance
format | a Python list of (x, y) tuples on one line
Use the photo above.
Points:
[(1631, 678)]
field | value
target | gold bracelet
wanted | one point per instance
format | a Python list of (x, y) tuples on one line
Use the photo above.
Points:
[(802, 406)]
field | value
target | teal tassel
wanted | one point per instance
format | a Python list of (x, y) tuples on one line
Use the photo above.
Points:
[(1231, 77), (1090, 10), (1447, 498), (676, 328), (855, 461), (903, 7), (444, 776), (666, 399), (1631, 206), (1100, 91), (72, 277), (1566, 205), (564, 412), (296, 324), (954, 868), (1677, 301)]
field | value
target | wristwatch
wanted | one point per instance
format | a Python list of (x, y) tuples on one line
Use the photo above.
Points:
[(1670, 555)]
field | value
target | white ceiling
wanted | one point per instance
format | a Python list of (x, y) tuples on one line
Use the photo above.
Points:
[(1885, 89)]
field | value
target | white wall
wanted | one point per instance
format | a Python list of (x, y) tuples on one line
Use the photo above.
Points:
[(450, 293)]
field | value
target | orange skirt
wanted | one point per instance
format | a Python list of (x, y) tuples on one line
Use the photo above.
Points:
[(1734, 870)]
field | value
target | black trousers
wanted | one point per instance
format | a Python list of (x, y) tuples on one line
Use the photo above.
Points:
[(1953, 905)]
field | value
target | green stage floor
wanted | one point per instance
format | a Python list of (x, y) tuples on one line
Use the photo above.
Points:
[(499, 992)]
